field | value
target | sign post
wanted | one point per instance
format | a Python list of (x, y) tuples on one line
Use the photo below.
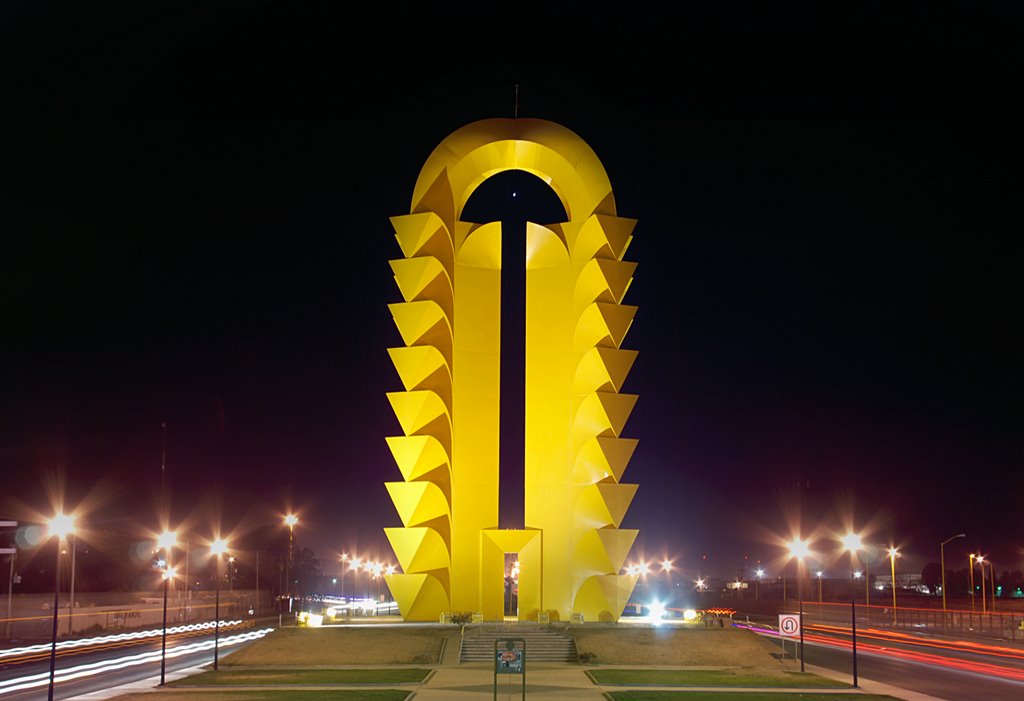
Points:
[(789, 627), (509, 658)]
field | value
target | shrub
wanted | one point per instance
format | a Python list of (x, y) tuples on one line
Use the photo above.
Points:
[(461, 618)]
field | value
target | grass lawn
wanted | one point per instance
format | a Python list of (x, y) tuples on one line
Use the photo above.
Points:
[(740, 696), (284, 695), (306, 647), (239, 677), (709, 677), (667, 645)]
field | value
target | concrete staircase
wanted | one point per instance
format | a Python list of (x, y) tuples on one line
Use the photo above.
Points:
[(542, 643)]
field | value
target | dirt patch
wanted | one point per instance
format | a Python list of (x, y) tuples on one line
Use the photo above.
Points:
[(342, 646), (695, 647)]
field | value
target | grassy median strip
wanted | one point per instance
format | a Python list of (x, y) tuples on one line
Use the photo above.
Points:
[(315, 677), (709, 677), (303, 647), (267, 695), (741, 696)]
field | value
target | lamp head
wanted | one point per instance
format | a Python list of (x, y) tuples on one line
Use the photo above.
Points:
[(62, 525), (852, 542), (798, 549), (167, 540)]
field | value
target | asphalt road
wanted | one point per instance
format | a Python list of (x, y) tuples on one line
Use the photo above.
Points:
[(925, 678), (148, 653)]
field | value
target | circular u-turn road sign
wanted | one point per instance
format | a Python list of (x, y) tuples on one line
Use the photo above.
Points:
[(789, 625)]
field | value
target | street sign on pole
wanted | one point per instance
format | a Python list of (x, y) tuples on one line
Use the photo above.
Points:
[(789, 625)]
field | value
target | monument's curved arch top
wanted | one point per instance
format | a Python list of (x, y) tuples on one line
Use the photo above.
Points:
[(571, 548)]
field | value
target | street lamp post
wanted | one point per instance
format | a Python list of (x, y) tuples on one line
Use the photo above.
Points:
[(798, 549), (167, 574), (867, 585), (981, 566), (344, 559), (61, 526), (853, 544), (757, 582), (942, 560), (166, 541), (354, 564), (992, 584), (218, 548), (893, 554), (290, 520), (819, 586), (970, 560), (73, 544)]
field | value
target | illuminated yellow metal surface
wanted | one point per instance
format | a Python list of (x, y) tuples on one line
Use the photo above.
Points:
[(571, 549)]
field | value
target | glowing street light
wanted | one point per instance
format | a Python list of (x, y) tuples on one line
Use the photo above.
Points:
[(819, 573), (798, 549), (165, 541), (893, 554), (217, 549), (62, 526), (853, 543), (666, 565), (758, 574)]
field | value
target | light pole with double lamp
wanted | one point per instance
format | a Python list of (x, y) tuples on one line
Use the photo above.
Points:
[(61, 526), (852, 543), (217, 549), (165, 541)]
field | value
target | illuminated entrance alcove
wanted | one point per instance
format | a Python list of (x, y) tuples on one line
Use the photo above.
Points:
[(570, 546)]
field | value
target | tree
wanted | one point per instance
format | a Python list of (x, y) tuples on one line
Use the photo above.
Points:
[(931, 576)]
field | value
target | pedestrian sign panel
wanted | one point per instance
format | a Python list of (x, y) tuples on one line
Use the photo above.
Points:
[(509, 662)]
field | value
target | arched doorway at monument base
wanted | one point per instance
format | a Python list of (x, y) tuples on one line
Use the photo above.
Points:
[(497, 546)]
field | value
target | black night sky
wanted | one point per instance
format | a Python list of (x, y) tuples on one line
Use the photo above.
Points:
[(195, 210)]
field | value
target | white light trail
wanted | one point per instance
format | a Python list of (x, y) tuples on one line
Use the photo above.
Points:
[(117, 638), (33, 681)]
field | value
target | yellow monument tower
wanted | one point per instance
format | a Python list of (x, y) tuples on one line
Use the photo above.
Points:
[(571, 548)]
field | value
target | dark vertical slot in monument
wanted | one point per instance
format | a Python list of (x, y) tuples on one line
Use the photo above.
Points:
[(513, 198), (513, 371)]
